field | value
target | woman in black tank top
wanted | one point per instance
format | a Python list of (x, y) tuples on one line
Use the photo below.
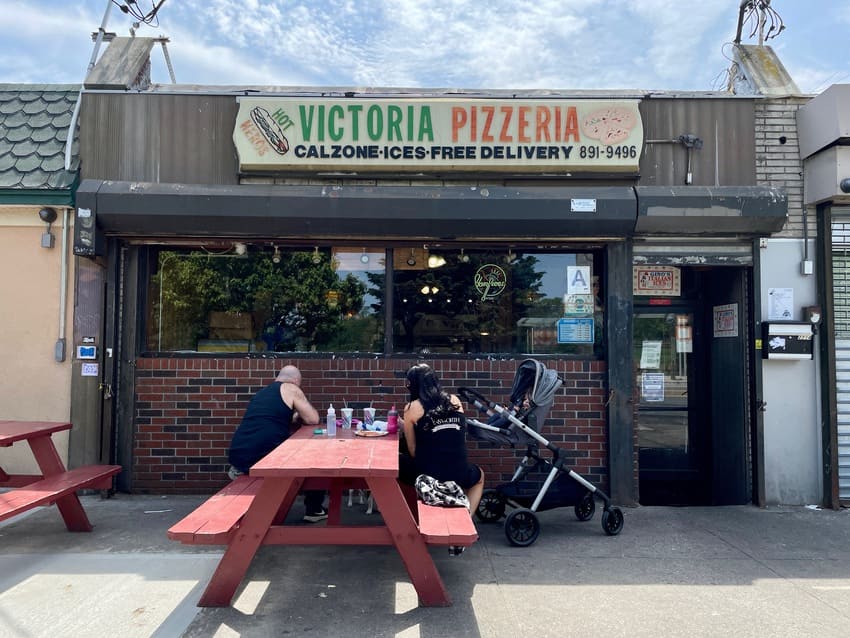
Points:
[(434, 429)]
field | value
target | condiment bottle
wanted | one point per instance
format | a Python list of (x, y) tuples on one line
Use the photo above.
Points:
[(331, 421), (392, 421)]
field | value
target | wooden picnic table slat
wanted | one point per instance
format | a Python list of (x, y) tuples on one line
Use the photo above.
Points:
[(12, 431)]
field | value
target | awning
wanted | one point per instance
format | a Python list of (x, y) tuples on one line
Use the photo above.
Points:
[(403, 212), (689, 210)]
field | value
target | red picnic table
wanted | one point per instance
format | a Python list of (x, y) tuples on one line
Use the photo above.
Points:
[(310, 461), (55, 484)]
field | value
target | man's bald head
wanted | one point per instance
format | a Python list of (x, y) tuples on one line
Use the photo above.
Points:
[(290, 374)]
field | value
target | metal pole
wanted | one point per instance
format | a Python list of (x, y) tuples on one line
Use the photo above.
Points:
[(69, 142)]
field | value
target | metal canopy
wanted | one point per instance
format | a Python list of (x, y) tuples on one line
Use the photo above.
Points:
[(359, 211), (690, 210)]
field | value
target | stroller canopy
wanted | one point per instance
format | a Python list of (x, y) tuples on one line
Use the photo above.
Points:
[(534, 381)]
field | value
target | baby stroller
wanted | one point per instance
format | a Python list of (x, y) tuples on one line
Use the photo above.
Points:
[(532, 396)]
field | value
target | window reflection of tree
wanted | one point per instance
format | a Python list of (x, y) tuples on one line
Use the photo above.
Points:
[(294, 304)]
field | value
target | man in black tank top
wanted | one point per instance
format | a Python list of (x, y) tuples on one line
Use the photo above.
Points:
[(266, 424)]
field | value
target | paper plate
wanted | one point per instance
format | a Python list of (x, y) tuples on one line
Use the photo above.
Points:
[(371, 433)]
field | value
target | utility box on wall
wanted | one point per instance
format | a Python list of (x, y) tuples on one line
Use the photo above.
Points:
[(787, 340)]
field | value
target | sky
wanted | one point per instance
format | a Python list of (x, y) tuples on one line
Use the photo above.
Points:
[(462, 44)]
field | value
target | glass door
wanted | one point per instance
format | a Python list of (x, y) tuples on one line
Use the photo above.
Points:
[(670, 430)]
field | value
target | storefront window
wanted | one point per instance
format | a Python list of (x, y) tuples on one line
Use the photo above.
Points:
[(489, 301), (252, 298), (267, 298)]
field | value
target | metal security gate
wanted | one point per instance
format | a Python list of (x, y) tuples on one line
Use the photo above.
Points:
[(841, 312)]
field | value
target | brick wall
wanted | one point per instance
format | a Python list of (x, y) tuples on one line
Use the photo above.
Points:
[(188, 408), (778, 160)]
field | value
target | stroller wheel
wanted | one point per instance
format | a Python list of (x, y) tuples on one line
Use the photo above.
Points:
[(612, 521), (522, 527), (585, 508), (491, 507)]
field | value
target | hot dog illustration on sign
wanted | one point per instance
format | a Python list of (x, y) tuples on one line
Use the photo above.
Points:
[(490, 281), (270, 130)]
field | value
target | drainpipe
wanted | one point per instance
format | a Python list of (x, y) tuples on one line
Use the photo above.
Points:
[(59, 349)]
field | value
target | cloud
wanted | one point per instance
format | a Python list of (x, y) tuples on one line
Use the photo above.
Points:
[(498, 44)]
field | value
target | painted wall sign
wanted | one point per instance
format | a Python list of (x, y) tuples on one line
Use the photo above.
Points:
[(657, 281), (398, 134)]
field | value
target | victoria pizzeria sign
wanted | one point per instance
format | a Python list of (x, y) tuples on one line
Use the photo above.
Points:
[(402, 135)]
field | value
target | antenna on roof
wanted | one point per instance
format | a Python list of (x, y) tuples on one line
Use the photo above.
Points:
[(761, 15)]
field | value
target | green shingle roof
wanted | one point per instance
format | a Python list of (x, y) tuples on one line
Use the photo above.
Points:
[(34, 121)]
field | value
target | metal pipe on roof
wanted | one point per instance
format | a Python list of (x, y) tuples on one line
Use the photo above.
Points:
[(69, 142)]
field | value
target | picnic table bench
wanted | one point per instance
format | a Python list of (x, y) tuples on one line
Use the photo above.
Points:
[(250, 512), (56, 484), (216, 519)]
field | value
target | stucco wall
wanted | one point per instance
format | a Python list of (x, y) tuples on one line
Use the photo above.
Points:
[(33, 386), (792, 437)]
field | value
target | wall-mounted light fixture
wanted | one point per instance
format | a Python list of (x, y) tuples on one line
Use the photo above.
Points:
[(239, 248), (845, 185), (364, 258), (510, 257), (317, 257), (276, 255), (464, 259), (411, 261), (48, 216)]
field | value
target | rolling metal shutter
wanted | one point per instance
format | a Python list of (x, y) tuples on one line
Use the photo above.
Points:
[(841, 311)]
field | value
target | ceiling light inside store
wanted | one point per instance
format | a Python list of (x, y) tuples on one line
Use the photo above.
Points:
[(364, 258), (435, 261)]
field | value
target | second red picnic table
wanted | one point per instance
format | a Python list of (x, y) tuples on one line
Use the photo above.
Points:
[(55, 484), (307, 460)]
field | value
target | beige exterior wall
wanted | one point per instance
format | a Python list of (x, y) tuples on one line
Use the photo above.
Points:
[(33, 386)]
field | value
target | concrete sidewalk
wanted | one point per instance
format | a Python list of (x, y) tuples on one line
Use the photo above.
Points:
[(723, 571)]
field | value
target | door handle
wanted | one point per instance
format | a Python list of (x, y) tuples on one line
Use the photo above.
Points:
[(762, 406)]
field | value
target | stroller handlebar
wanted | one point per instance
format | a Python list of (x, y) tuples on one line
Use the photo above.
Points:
[(478, 400)]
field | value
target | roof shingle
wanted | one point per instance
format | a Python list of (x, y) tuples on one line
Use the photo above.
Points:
[(34, 119)]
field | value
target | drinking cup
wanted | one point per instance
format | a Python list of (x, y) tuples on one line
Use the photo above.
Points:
[(368, 416), (346, 417)]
